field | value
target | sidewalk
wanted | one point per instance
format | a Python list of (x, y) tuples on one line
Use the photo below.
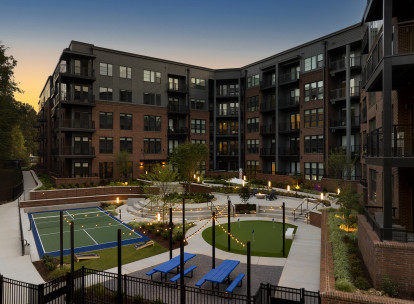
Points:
[(12, 264)]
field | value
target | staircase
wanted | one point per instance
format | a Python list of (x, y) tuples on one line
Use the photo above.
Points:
[(301, 212)]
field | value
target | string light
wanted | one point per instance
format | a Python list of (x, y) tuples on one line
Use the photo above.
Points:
[(198, 231)]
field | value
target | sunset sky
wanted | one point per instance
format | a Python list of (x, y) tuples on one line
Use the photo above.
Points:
[(215, 34)]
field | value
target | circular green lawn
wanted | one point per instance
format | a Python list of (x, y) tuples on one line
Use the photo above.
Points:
[(266, 240)]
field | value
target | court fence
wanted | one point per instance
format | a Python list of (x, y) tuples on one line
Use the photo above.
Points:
[(92, 286)]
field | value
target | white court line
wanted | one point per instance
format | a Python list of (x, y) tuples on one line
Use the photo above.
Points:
[(90, 236), (69, 214), (40, 239), (81, 229)]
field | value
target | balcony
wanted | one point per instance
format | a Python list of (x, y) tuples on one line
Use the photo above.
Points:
[(228, 153), (228, 112), (74, 152), (177, 109), (269, 129), (252, 150), (340, 94), (402, 142), (267, 106), (339, 65), (364, 43), (289, 127), (67, 72), (266, 85), (289, 103), (177, 87), (69, 100), (69, 125), (404, 38), (341, 123), (177, 131), (268, 151), (287, 78), (373, 60), (289, 152), (227, 132)]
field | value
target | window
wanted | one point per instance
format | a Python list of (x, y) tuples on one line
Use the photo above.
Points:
[(197, 83), (252, 103), (198, 104), (228, 147), (151, 76), (172, 144), (125, 144), (125, 72), (252, 166), (125, 95), (372, 124), (313, 118), (105, 120), (106, 145), (125, 121), (152, 123), (294, 121), (294, 168), (105, 93), (106, 170), (253, 146), (152, 145), (253, 81), (313, 91), (313, 62), (253, 125), (198, 126), (294, 96), (198, 141), (314, 144), (125, 170), (81, 169), (373, 185), (228, 90), (313, 171), (105, 69), (81, 93), (152, 99), (81, 145), (372, 98)]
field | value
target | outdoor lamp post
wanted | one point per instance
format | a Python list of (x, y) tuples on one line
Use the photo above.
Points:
[(283, 228)]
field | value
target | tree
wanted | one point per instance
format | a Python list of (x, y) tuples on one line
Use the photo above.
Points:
[(339, 164), (351, 204), (244, 193), (187, 159), (7, 64), (121, 160), (18, 150), (162, 178)]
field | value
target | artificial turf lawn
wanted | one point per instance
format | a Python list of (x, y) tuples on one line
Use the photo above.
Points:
[(267, 240), (109, 257)]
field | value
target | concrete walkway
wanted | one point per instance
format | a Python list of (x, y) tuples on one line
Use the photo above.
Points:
[(12, 264)]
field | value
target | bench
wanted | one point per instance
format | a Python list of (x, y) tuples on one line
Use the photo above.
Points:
[(235, 282), (143, 245), (186, 271), (289, 234), (150, 273), (86, 256)]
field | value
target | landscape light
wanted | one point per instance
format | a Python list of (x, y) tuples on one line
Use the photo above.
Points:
[(288, 188), (339, 191), (117, 200), (321, 196)]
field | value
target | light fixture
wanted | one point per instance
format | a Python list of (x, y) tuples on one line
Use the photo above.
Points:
[(339, 191), (244, 177), (269, 184), (117, 200), (321, 196), (288, 188), (158, 216)]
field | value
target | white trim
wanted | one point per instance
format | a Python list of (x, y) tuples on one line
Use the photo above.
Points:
[(40, 239)]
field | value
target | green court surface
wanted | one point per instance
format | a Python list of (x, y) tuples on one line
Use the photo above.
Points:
[(94, 229), (266, 240)]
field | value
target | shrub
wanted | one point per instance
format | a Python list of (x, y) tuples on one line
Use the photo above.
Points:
[(344, 285), (138, 299), (362, 283), (390, 287), (58, 272), (157, 301)]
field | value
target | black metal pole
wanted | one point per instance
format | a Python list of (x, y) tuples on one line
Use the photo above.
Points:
[(248, 271), (120, 214), (283, 229), (228, 224), (183, 218), (119, 266), (182, 290), (72, 247), (61, 239), (214, 240), (171, 233)]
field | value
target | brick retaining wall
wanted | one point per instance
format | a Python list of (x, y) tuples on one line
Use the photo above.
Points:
[(315, 219)]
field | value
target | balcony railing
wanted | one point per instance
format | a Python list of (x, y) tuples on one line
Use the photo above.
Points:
[(292, 151), (267, 106), (178, 131), (269, 129), (289, 103), (177, 87), (252, 150), (178, 108), (373, 60), (402, 144), (268, 151), (341, 93), (69, 99), (340, 64), (364, 44), (289, 127), (375, 217), (227, 153), (267, 84), (228, 112), (227, 132), (288, 77), (342, 122), (355, 149), (74, 151), (76, 124), (68, 70)]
